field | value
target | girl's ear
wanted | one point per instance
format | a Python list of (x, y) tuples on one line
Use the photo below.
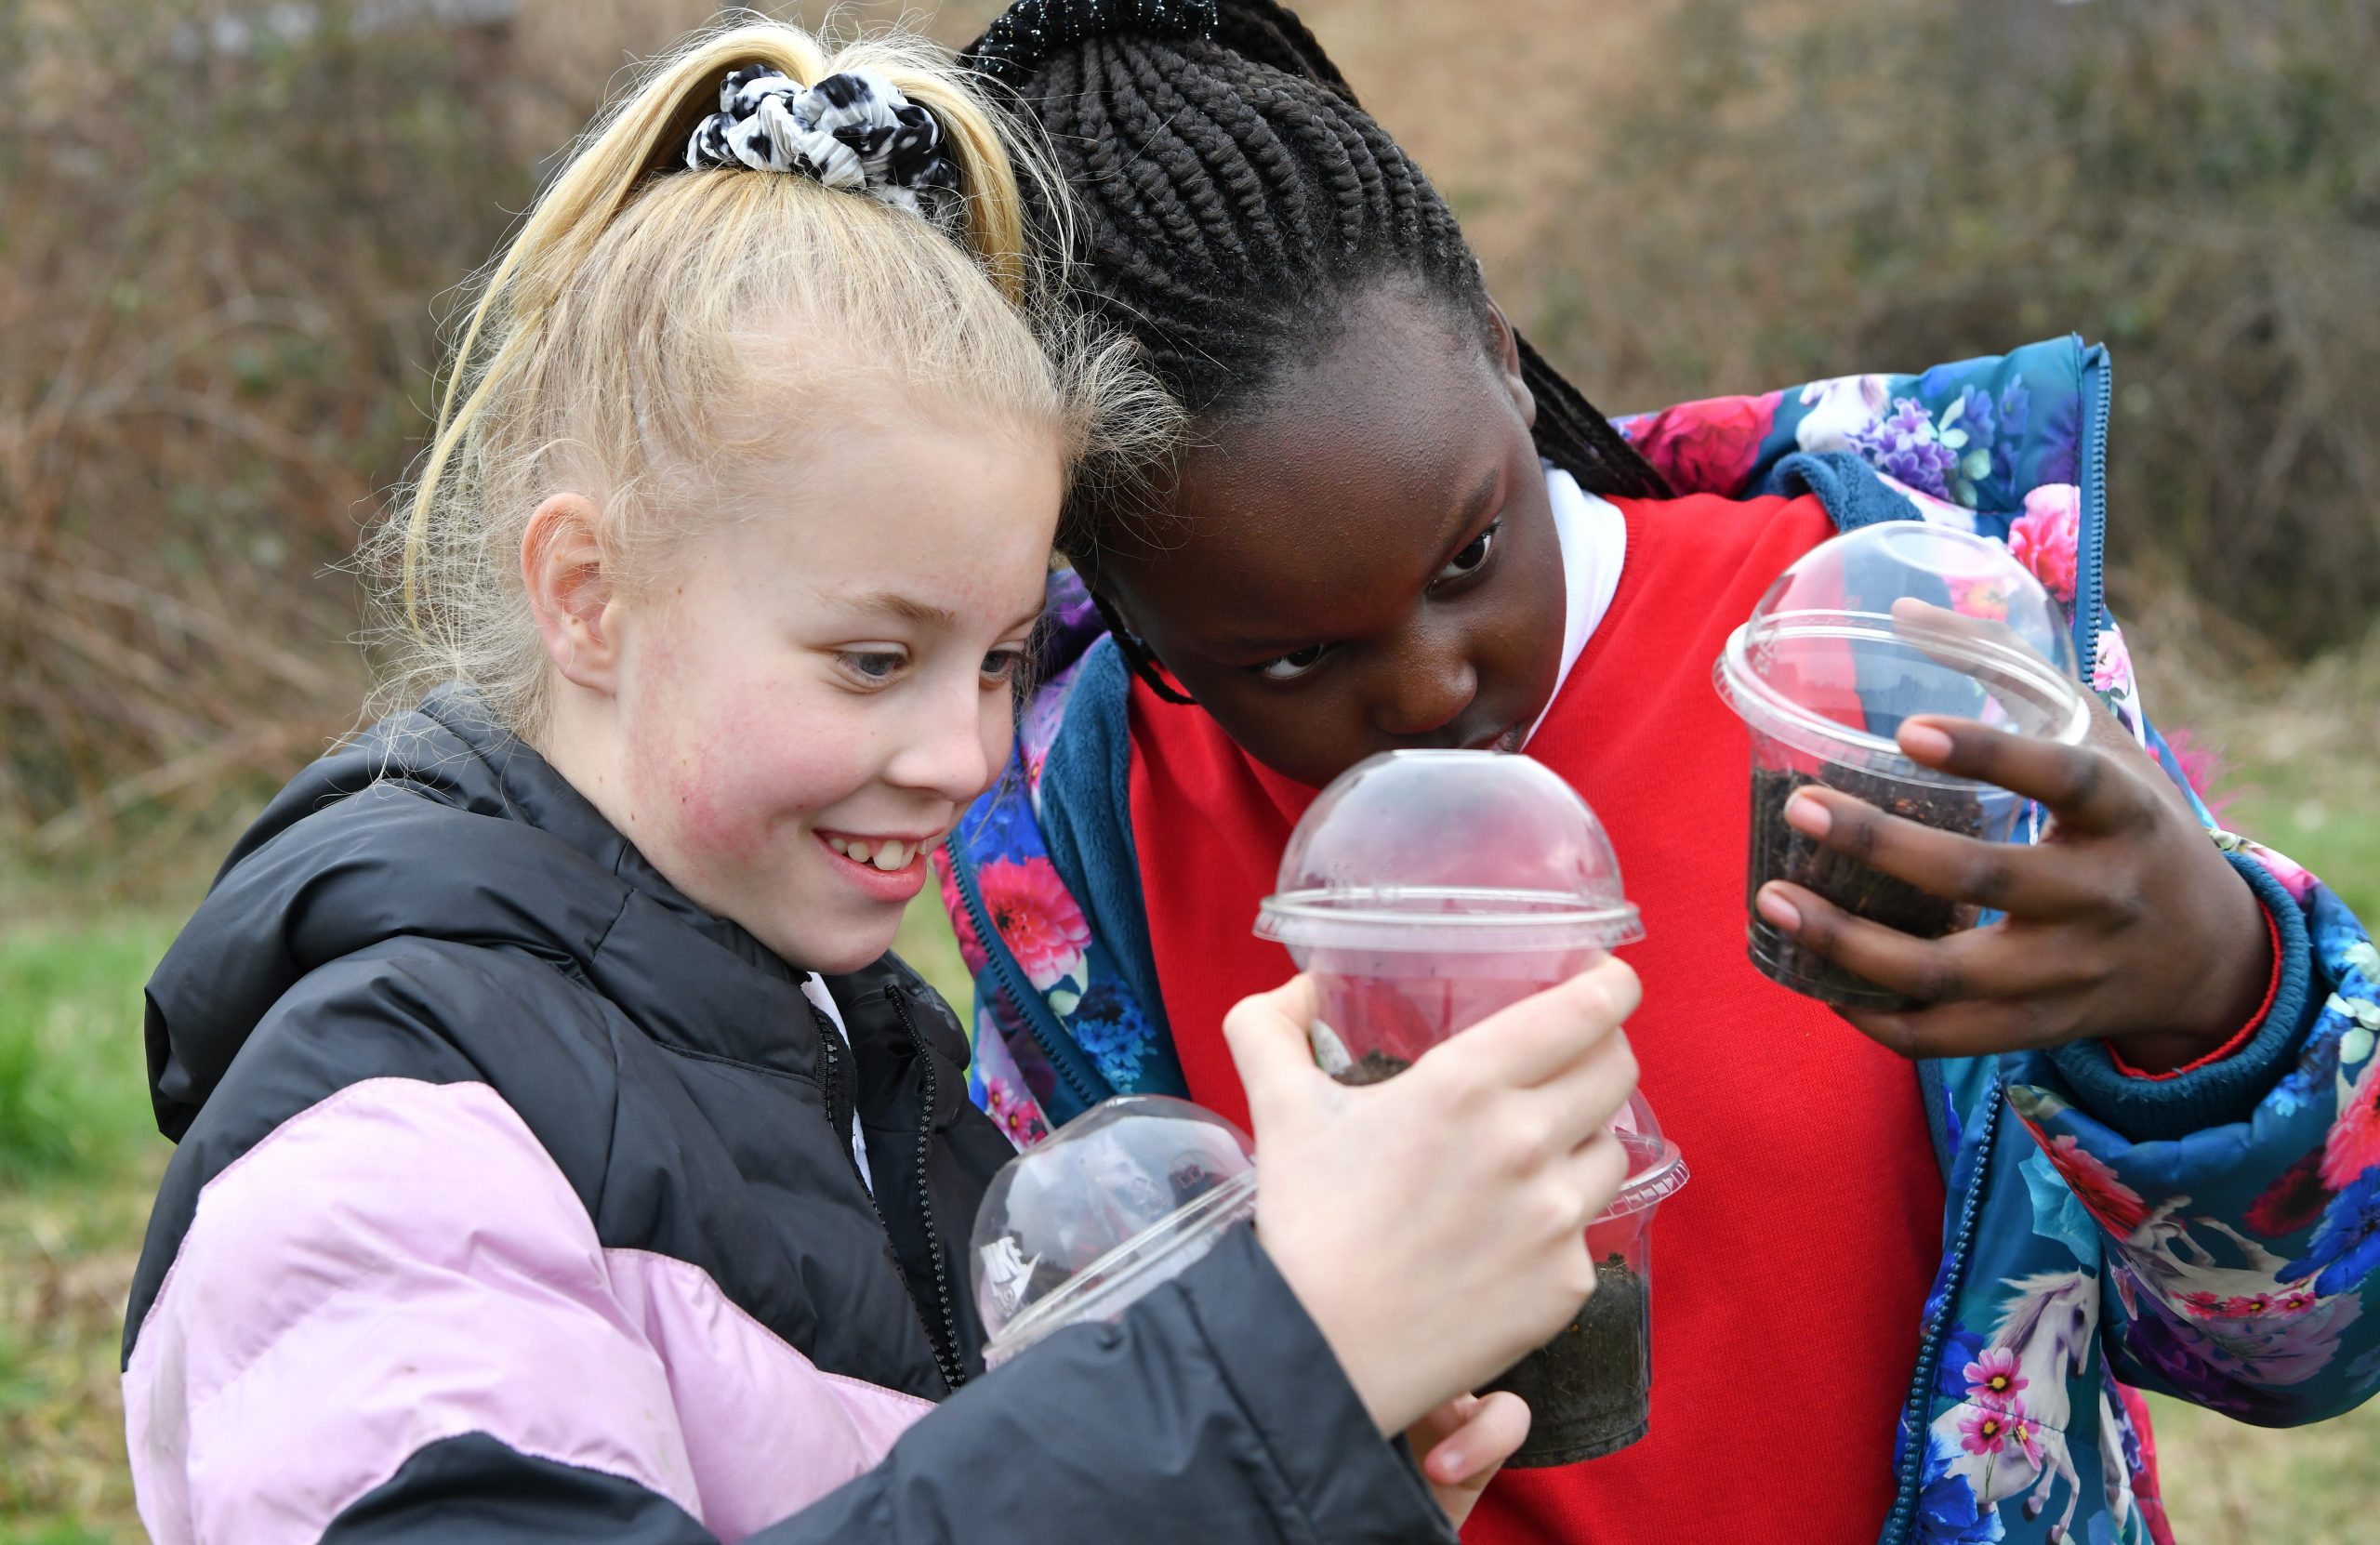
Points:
[(571, 593), (1504, 350)]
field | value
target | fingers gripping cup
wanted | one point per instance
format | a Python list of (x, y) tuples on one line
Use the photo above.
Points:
[(1124, 1197), (1423, 892), (1426, 889), (1863, 632)]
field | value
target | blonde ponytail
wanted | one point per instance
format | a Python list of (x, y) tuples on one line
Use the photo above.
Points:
[(609, 350)]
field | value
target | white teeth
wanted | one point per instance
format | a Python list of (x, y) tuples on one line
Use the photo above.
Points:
[(891, 856), (858, 852), (840, 846)]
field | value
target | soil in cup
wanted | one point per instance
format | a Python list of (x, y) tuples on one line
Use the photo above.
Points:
[(1780, 852), (1590, 1388), (1372, 1067)]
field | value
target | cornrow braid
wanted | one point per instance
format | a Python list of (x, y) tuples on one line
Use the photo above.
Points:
[(1232, 199)]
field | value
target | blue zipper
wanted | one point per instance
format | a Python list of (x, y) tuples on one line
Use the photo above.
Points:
[(1066, 1058), (2090, 597), (1915, 1415)]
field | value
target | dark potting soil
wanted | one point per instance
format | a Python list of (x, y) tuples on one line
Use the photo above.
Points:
[(1372, 1067), (1780, 852), (1590, 1388)]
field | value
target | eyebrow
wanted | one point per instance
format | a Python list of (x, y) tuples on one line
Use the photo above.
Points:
[(1467, 513), (924, 614), (908, 608)]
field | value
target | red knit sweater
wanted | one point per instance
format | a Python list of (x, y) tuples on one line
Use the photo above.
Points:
[(1789, 1275)]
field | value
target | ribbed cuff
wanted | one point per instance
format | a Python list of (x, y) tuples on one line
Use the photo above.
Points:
[(2209, 1093), (1356, 1486)]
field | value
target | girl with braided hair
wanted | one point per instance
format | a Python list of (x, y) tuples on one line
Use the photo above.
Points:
[(1389, 522), (561, 1156)]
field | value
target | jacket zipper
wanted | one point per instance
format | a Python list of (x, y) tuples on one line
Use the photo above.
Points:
[(2090, 597), (946, 1347), (1916, 1414), (1064, 1057), (841, 1118)]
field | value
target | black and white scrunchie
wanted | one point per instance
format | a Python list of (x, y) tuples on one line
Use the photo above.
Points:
[(855, 131)]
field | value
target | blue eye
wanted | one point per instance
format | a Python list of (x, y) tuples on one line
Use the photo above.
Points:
[(873, 665), (1289, 667), (1473, 555)]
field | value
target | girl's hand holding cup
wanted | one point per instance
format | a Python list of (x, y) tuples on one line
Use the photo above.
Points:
[(1463, 1445), (1435, 1224)]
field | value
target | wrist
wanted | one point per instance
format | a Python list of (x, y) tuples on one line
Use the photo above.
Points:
[(2231, 1001), (1375, 1380)]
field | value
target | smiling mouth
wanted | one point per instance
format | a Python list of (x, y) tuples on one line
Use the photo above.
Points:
[(885, 854)]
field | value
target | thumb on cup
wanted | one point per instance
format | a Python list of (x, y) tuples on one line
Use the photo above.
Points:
[(1267, 1036)]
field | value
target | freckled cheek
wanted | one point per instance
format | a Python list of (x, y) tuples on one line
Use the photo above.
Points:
[(732, 782)]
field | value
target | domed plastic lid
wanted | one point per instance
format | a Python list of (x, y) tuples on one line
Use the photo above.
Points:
[(1449, 851), (1897, 619), (1655, 1169), (1117, 1200)]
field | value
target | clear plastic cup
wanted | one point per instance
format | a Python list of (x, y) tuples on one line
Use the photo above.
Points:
[(1426, 889), (1590, 1388), (1864, 631), (1123, 1197), (1423, 892)]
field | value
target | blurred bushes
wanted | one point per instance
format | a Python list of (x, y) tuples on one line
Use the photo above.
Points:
[(219, 263), (1782, 190), (223, 248)]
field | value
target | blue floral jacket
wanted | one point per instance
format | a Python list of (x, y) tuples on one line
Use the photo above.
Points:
[(2215, 1236)]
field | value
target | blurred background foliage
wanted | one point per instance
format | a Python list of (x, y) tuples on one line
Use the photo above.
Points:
[(230, 229), (227, 233)]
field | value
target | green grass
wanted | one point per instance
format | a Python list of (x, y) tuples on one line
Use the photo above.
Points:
[(927, 944), (2229, 1484), (79, 1160), (73, 1092), (2339, 842)]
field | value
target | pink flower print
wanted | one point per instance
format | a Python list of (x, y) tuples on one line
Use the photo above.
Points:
[(1987, 598), (2297, 1300), (2292, 1202), (2295, 878), (1707, 447), (1992, 1379), (1985, 1430), (2025, 1433), (2247, 1307), (2116, 1206), (2354, 1143), (1018, 1114), (2203, 767), (2112, 670), (2203, 1304), (963, 922), (2044, 537), (1035, 918)]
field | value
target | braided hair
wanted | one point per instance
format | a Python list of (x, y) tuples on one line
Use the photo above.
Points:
[(1232, 199)]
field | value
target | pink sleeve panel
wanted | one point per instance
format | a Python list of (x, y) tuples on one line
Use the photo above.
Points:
[(403, 1264)]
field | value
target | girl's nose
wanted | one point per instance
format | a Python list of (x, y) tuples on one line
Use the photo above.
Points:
[(1428, 684), (949, 747)]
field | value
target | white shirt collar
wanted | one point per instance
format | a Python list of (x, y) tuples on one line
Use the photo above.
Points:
[(1593, 537)]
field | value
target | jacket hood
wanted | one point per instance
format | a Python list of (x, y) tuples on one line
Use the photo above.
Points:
[(438, 824)]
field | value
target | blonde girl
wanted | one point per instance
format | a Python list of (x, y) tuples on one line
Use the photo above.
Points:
[(562, 1153)]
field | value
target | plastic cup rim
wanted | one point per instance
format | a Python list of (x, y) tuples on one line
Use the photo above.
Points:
[(1658, 1182), (1196, 1219), (1774, 714), (1325, 918)]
